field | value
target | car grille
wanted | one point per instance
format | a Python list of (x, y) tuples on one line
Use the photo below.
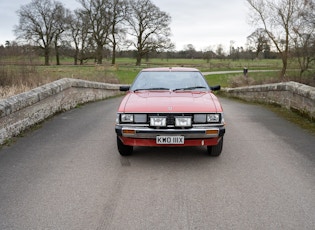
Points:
[(170, 117)]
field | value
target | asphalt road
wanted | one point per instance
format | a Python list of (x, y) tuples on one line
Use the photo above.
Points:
[(69, 175)]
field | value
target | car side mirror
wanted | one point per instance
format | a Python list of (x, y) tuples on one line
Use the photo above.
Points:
[(215, 88), (124, 88)]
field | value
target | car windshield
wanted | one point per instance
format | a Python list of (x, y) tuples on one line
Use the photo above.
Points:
[(175, 81)]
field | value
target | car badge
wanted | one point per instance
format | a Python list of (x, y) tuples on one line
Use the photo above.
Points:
[(170, 108)]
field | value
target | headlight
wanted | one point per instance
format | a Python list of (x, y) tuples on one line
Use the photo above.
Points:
[(200, 118), (127, 118), (140, 118), (183, 121), (213, 117), (158, 121)]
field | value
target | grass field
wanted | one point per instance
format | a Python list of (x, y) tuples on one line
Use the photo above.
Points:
[(20, 74)]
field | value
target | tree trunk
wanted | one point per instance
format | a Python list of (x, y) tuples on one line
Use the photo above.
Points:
[(99, 54), (57, 55), (76, 58), (47, 52), (76, 55), (138, 63), (284, 57), (114, 54)]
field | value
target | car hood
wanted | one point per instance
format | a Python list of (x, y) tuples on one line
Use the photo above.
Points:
[(170, 102)]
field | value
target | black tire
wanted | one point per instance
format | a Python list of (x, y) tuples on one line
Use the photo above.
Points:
[(215, 150), (124, 150)]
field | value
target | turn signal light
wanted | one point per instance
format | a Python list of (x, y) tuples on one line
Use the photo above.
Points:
[(212, 132), (129, 131)]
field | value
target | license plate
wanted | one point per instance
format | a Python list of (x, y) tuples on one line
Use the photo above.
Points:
[(177, 140)]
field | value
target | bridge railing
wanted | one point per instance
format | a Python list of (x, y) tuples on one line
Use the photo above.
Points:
[(291, 95), (19, 112)]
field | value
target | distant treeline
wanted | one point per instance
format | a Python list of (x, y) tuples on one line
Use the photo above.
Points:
[(13, 49)]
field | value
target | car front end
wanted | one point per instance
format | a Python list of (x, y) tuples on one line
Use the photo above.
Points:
[(170, 112), (170, 129)]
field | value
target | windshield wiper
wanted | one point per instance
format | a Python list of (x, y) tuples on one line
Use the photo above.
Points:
[(158, 88), (191, 88)]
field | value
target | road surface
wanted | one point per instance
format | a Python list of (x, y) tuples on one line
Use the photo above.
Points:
[(69, 175)]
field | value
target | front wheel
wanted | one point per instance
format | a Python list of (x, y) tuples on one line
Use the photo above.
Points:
[(124, 150), (215, 150)]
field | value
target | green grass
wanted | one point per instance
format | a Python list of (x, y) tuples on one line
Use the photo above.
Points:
[(231, 79), (22, 71), (219, 79)]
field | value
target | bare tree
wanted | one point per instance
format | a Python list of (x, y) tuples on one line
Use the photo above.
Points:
[(37, 24), (149, 26), (277, 18), (190, 51), (62, 24), (304, 36), (120, 13), (208, 54), (220, 51), (258, 41), (80, 36), (99, 13)]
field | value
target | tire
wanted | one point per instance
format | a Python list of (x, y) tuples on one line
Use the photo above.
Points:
[(124, 150), (215, 150)]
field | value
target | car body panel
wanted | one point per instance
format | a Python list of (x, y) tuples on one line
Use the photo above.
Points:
[(165, 101), (152, 142)]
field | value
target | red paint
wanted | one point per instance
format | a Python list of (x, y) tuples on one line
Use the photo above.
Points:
[(169, 101), (152, 142)]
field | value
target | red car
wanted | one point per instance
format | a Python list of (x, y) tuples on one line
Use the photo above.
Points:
[(170, 107)]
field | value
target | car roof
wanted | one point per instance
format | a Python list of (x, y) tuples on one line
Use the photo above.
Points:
[(170, 69)]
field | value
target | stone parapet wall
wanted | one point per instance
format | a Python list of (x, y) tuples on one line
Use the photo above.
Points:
[(21, 111), (291, 95)]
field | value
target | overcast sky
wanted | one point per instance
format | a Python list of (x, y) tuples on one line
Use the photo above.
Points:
[(202, 23)]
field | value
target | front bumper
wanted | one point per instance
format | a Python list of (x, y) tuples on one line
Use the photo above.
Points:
[(149, 133), (146, 136)]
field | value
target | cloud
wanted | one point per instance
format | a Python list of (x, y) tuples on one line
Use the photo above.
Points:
[(201, 23)]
